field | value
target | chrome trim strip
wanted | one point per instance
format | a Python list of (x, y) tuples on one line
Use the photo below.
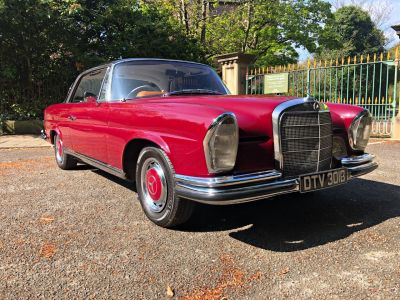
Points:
[(308, 137), (97, 164), (222, 181), (309, 151), (308, 125), (356, 160)]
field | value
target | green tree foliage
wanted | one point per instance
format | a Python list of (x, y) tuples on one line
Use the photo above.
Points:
[(272, 29), (350, 32), (44, 44), (269, 29)]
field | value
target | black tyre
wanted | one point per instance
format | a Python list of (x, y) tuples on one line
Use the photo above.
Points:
[(155, 186), (64, 161)]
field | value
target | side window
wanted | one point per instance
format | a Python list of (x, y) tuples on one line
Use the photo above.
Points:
[(89, 83)]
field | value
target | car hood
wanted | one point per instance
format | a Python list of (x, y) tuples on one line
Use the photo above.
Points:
[(253, 112)]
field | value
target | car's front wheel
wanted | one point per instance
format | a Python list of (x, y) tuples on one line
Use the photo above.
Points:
[(64, 161), (156, 189)]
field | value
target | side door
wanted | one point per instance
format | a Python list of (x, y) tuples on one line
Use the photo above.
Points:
[(88, 116)]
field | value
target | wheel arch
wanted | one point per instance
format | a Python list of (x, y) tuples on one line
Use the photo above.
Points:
[(131, 154), (53, 133)]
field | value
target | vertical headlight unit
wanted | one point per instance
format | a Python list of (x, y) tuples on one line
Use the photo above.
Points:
[(221, 143), (359, 130)]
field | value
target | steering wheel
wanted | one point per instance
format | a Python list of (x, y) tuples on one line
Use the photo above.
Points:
[(146, 87)]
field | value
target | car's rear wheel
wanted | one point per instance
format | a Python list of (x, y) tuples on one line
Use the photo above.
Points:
[(64, 161), (156, 189)]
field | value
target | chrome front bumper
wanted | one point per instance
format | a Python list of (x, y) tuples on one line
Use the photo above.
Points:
[(234, 189)]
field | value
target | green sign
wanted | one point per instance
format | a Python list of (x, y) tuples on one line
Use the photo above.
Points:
[(276, 83)]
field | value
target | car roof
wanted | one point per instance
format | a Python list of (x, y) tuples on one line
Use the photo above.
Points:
[(154, 59), (118, 61)]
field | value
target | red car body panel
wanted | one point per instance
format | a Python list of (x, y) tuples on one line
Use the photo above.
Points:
[(177, 125)]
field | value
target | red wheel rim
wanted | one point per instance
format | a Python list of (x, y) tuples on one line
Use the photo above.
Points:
[(153, 184)]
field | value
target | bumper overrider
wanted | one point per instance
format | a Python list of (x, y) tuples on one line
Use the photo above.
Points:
[(242, 188)]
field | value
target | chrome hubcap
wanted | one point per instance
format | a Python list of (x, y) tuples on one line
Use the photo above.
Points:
[(154, 185), (59, 149)]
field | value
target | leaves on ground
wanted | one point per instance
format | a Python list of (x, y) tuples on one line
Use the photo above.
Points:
[(48, 250), (170, 292), (232, 278), (46, 220)]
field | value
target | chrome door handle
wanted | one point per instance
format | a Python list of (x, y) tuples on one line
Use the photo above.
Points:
[(72, 118)]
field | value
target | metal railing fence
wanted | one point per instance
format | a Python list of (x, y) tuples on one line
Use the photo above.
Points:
[(370, 82)]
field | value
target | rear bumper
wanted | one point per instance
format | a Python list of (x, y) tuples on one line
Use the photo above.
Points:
[(234, 189)]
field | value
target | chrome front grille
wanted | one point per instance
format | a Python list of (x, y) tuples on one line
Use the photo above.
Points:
[(305, 141)]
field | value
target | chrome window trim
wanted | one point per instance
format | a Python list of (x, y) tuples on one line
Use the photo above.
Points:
[(78, 79), (210, 131), (276, 118), (106, 75), (109, 84)]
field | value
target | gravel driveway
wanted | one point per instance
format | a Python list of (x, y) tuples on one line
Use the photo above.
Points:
[(82, 234)]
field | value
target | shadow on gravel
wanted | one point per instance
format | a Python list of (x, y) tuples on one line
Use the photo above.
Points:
[(300, 221), (127, 184)]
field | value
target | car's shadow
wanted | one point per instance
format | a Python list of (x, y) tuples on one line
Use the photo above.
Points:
[(127, 184), (300, 221), (297, 221)]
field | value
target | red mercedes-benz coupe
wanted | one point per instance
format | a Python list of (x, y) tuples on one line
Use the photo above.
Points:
[(172, 128)]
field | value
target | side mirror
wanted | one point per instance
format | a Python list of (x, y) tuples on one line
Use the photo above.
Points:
[(89, 97)]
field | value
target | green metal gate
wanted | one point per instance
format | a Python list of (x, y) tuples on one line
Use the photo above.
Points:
[(372, 83)]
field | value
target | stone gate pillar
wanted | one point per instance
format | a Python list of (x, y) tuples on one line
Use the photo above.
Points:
[(234, 67), (396, 125)]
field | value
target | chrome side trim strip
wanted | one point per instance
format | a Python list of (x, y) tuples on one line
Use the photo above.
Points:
[(222, 181), (356, 160), (97, 164)]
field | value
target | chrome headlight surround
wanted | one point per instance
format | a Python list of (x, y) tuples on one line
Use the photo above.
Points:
[(221, 143), (360, 130)]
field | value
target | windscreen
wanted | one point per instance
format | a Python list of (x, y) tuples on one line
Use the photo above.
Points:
[(138, 79)]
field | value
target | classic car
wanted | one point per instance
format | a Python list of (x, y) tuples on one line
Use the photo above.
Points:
[(172, 128)]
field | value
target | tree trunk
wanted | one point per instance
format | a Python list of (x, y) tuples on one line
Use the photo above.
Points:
[(204, 15), (249, 21), (184, 15)]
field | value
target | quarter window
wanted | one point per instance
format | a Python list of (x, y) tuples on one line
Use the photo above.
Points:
[(89, 83)]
